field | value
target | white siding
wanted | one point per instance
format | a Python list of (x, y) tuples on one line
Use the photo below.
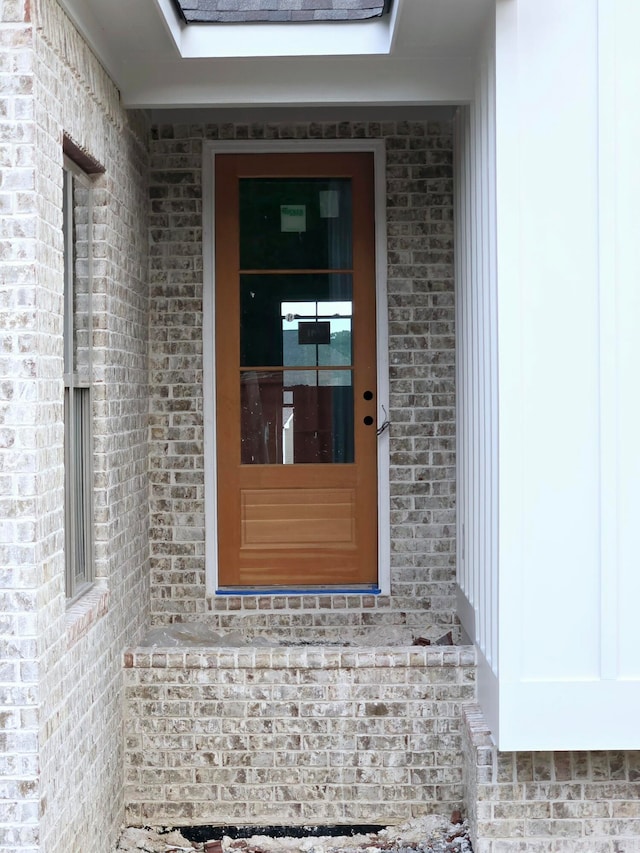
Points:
[(564, 670), (476, 360), (557, 282), (620, 296)]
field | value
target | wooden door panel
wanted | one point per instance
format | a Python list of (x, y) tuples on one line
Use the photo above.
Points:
[(303, 524), (280, 570), (289, 518)]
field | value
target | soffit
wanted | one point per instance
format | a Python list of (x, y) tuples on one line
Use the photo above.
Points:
[(421, 53)]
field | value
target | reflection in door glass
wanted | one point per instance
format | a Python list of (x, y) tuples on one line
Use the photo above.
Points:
[(316, 334), (283, 319), (296, 416)]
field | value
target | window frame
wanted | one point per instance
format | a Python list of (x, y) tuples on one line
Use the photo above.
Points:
[(210, 150), (78, 398)]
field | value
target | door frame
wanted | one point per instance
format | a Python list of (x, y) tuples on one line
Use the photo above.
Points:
[(210, 151)]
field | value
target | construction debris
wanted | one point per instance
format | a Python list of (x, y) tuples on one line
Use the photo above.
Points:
[(433, 834), (445, 640)]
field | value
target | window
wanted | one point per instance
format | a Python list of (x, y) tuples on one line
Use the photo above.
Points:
[(78, 449)]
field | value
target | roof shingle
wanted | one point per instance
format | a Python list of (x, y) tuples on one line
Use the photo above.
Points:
[(276, 11)]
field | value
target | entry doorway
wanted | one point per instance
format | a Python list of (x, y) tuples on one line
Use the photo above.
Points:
[(295, 370)]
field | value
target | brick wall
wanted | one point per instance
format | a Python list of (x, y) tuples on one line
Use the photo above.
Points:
[(421, 333), (544, 802), (291, 736), (61, 684), (81, 710), (24, 381)]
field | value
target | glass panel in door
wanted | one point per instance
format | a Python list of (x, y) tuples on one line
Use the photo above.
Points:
[(295, 224), (296, 323)]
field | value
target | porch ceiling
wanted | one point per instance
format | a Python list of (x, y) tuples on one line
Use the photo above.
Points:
[(419, 54)]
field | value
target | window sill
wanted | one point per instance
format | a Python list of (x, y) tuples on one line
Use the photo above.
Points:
[(84, 612)]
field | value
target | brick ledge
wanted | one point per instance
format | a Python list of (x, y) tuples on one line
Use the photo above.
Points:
[(84, 612), (308, 658)]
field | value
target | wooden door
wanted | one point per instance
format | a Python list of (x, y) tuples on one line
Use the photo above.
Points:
[(295, 370)]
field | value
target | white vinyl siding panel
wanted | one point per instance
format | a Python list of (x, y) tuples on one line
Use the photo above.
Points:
[(476, 324), (548, 311)]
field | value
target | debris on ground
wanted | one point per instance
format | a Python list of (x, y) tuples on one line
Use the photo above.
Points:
[(198, 635), (432, 834), (146, 840), (445, 640)]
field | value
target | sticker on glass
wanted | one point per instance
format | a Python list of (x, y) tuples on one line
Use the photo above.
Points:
[(329, 204), (293, 217)]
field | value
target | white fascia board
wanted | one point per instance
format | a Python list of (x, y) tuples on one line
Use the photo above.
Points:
[(174, 24), (209, 41), (316, 39), (365, 81)]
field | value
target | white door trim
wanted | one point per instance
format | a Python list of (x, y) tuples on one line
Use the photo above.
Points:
[(210, 150)]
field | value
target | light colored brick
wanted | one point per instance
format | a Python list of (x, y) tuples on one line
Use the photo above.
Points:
[(59, 697), (568, 811), (421, 318), (284, 757)]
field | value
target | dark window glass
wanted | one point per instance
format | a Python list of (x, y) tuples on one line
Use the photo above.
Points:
[(290, 223)]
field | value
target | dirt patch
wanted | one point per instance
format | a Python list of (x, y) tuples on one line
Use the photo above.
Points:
[(434, 834)]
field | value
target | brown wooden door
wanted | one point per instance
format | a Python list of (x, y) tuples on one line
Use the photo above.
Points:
[(295, 370)]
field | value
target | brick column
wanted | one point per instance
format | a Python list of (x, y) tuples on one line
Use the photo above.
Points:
[(25, 492)]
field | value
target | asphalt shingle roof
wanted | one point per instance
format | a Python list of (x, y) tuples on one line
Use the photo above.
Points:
[(276, 11)]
